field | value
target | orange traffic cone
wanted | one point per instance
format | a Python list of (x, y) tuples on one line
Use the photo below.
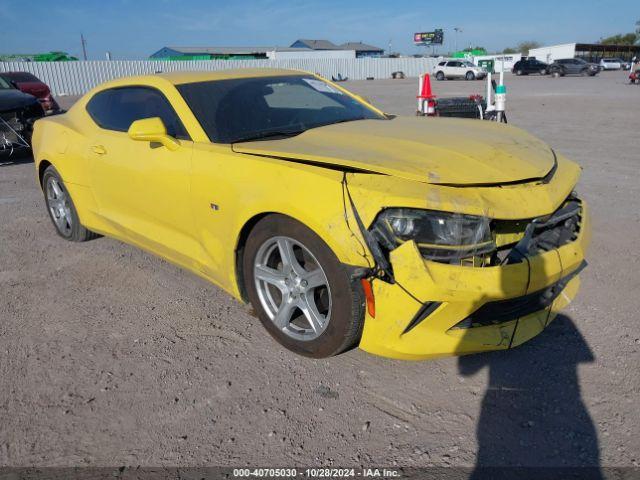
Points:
[(426, 98), (426, 88)]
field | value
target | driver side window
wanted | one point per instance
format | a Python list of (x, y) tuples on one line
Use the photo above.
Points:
[(116, 109)]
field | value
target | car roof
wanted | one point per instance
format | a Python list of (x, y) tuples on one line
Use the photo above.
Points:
[(179, 78), (14, 75), (160, 80)]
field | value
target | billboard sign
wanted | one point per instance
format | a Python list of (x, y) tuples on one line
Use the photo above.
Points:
[(429, 38)]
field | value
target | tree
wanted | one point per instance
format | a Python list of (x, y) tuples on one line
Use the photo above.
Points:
[(620, 39), (524, 47), (509, 50)]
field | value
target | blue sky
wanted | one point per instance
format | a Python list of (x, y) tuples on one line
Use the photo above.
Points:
[(133, 29)]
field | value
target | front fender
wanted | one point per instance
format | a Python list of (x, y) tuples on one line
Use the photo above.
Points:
[(229, 190)]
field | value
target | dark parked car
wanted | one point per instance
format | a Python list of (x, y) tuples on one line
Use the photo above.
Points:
[(530, 65), (29, 83), (573, 66), (18, 112)]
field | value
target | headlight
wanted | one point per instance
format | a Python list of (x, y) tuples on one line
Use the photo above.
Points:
[(438, 235)]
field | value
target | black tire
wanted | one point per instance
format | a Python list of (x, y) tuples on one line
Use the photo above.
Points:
[(543, 71), (584, 72), (344, 327), (75, 232), (440, 76), (556, 73), (519, 72), (470, 76)]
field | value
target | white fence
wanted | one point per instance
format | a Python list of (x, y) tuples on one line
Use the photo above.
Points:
[(74, 78)]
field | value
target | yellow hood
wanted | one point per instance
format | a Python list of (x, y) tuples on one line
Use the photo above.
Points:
[(430, 150)]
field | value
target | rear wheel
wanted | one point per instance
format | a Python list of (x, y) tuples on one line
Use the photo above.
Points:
[(470, 76), (440, 76), (61, 209), (301, 293)]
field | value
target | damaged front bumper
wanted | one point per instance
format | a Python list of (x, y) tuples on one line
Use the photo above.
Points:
[(435, 309)]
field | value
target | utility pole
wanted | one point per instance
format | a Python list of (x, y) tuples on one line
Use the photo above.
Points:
[(457, 30), (84, 46)]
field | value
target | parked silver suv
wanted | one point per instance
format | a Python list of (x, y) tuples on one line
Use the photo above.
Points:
[(449, 69)]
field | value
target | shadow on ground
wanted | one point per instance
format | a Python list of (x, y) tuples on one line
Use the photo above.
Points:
[(14, 158), (532, 414)]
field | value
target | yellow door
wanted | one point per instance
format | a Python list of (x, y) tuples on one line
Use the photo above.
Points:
[(142, 188), (143, 191)]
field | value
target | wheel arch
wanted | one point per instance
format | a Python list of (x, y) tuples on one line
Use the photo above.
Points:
[(247, 228), (42, 166), (241, 241)]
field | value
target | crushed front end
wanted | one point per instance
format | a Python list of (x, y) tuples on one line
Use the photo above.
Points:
[(500, 286), (16, 125)]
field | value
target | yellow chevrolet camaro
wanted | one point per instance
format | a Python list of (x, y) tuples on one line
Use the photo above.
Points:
[(410, 237)]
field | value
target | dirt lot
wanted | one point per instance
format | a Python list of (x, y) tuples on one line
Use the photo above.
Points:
[(110, 356)]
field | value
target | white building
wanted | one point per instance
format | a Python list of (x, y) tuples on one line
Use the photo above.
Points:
[(591, 52), (554, 52)]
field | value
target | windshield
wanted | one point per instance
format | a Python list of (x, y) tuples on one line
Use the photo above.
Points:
[(4, 84), (246, 109)]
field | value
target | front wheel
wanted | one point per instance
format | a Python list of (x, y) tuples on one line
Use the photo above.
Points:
[(543, 71), (470, 76), (302, 294), (519, 72), (440, 76)]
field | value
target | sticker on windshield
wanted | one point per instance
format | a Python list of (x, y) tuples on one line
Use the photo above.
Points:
[(321, 86)]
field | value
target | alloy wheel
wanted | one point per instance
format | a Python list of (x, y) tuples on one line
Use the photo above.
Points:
[(292, 287), (59, 207)]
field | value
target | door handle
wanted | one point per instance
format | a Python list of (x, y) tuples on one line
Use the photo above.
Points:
[(99, 149)]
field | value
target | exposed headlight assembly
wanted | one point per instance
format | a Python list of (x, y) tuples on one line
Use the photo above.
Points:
[(440, 236)]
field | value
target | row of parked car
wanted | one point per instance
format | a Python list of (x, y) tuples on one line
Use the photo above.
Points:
[(23, 99), (569, 66), (452, 69), (30, 84)]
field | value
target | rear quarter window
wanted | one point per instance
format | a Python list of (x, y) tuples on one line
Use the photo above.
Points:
[(116, 109)]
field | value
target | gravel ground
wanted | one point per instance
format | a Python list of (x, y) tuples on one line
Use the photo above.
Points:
[(110, 356)]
